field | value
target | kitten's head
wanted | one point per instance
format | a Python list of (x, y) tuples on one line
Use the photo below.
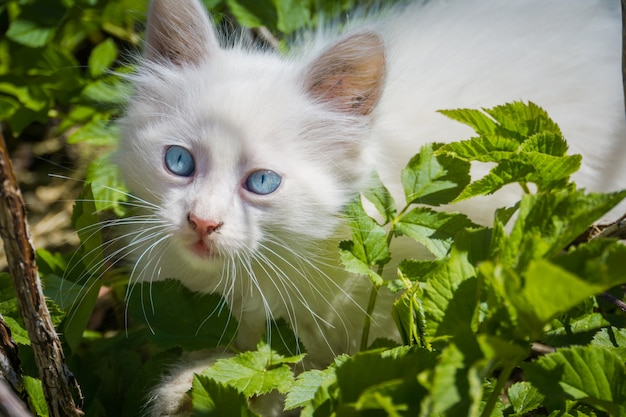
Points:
[(238, 148)]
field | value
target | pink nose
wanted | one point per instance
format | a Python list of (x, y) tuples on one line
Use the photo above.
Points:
[(201, 226)]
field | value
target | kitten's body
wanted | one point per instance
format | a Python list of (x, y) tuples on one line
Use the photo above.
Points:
[(324, 119)]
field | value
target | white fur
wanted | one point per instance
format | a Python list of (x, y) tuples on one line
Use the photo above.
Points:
[(239, 110)]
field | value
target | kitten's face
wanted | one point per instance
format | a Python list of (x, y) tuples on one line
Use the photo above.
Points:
[(228, 165), (238, 151)]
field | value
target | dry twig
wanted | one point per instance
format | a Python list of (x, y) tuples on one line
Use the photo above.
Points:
[(57, 381)]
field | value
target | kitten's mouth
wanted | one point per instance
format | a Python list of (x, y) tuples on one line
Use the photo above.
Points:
[(202, 250)]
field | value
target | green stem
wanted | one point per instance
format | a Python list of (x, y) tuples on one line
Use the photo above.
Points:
[(500, 384), (371, 304), (525, 187), (368, 316)]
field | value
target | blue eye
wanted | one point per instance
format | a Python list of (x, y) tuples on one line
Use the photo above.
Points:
[(263, 182), (179, 161)]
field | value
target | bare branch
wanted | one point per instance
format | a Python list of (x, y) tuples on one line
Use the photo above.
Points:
[(21, 259)]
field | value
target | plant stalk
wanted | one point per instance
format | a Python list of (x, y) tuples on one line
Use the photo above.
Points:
[(500, 384)]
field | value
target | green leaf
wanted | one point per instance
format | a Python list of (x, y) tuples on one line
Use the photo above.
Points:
[(548, 222), (292, 15), (590, 374), (434, 229), (254, 13), (86, 223), (524, 397), (434, 179), (369, 240), (355, 265), (520, 120), (476, 119), (36, 23), (199, 321), (36, 397), (102, 57), (443, 382), (408, 314), (255, 373), (612, 338), (18, 332), (210, 398), (108, 188), (484, 148), (307, 386), (450, 296), (390, 373), (96, 132), (380, 196), (107, 89)]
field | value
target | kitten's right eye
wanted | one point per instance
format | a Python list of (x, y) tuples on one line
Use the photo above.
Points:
[(179, 161)]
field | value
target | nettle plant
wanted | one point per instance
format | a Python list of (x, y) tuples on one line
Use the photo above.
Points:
[(502, 321)]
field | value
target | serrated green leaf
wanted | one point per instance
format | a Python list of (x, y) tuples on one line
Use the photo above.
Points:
[(416, 270), (443, 382), (548, 222), (254, 373), (590, 374), (434, 178), (483, 148), (355, 265), (18, 332), (36, 397), (521, 120), (524, 397), (546, 171), (109, 191), (102, 57), (199, 321), (408, 314), (380, 196), (369, 239), (532, 296), (612, 338), (357, 379), (476, 119), (434, 229), (545, 142), (569, 330), (212, 399), (307, 387)]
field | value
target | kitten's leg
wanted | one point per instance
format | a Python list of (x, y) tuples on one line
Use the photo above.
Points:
[(170, 398)]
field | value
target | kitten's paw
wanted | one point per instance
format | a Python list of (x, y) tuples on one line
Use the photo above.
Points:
[(170, 398)]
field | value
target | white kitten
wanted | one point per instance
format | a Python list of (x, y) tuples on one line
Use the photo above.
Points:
[(249, 156)]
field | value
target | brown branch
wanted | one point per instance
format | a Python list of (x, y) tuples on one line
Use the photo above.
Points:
[(56, 380), (9, 359)]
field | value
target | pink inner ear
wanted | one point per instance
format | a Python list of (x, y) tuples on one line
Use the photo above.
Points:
[(180, 32), (350, 75)]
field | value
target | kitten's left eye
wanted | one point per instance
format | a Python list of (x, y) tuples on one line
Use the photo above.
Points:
[(263, 182), (179, 161)]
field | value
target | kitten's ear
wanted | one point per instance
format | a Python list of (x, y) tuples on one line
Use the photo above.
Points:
[(179, 31), (349, 75)]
